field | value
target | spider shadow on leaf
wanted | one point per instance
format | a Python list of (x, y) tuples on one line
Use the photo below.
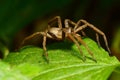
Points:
[(66, 46)]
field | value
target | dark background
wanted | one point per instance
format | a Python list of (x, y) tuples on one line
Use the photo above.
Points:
[(20, 18)]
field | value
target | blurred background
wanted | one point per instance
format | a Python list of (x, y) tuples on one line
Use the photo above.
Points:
[(20, 18)]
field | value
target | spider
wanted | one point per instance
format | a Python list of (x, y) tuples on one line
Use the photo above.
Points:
[(60, 33)]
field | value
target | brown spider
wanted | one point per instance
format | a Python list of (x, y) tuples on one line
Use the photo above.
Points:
[(60, 33)]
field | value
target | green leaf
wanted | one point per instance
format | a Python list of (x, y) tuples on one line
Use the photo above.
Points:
[(65, 62), (7, 73)]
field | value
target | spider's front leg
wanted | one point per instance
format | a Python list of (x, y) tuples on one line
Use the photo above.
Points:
[(44, 34), (52, 32), (54, 20), (45, 54), (30, 37)]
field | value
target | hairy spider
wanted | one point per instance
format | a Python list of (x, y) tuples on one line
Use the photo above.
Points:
[(60, 33)]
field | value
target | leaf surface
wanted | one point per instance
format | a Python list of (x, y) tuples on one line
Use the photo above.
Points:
[(65, 62), (6, 73)]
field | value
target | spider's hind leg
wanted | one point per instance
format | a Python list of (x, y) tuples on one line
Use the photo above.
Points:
[(29, 37), (97, 38)]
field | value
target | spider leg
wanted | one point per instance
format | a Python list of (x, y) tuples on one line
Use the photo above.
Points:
[(29, 37), (97, 38), (67, 21), (84, 44), (44, 34), (77, 44), (86, 24), (83, 33), (69, 35), (53, 20), (44, 46), (78, 28)]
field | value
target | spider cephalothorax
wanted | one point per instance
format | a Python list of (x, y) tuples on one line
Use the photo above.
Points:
[(61, 33)]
